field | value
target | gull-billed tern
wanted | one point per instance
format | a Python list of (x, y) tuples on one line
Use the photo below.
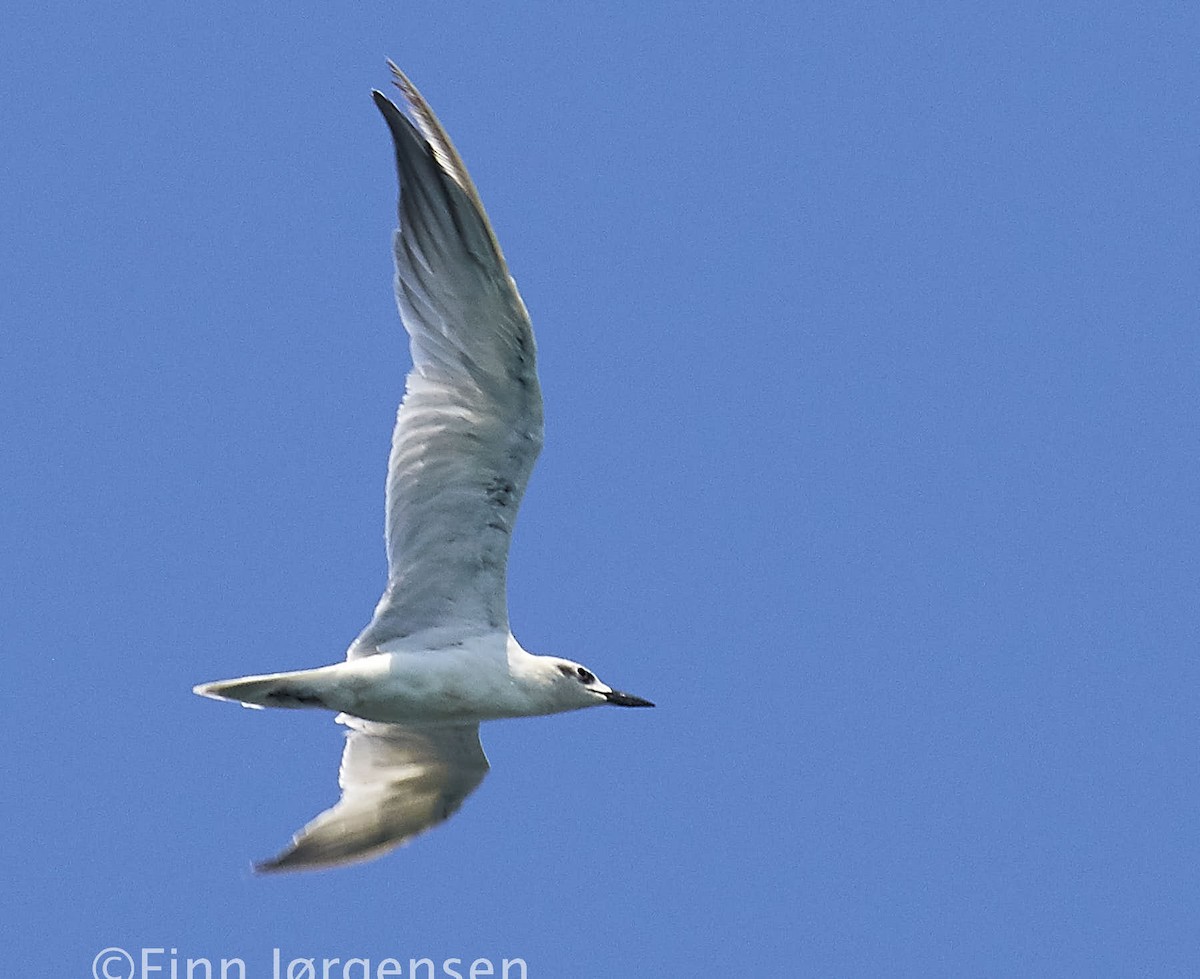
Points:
[(437, 657)]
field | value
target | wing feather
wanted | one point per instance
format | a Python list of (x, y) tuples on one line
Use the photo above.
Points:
[(397, 781), (470, 426)]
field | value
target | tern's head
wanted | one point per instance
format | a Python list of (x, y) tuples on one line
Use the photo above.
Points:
[(576, 686)]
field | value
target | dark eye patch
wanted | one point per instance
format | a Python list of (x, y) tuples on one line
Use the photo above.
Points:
[(587, 676)]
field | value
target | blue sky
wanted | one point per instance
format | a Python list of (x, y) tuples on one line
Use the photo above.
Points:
[(868, 338)]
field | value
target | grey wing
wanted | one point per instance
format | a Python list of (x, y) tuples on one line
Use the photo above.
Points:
[(397, 781), (470, 426)]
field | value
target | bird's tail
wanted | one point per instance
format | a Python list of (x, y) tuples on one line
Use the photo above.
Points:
[(303, 688)]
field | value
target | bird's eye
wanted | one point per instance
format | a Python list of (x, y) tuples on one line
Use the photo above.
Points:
[(586, 675)]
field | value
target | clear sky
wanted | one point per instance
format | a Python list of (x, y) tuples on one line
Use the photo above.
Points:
[(868, 338)]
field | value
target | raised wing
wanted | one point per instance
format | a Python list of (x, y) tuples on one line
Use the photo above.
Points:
[(470, 426), (397, 781)]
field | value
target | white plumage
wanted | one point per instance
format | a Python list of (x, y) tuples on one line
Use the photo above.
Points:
[(437, 657)]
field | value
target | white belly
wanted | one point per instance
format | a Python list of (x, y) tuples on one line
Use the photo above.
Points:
[(472, 682)]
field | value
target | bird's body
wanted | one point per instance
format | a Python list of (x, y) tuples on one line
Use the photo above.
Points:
[(437, 657), (484, 678)]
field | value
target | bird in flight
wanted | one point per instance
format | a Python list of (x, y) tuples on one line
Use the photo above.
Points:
[(437, 657)]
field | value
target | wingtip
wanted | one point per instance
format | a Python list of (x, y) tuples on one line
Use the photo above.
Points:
[(396, 121), (412, 95), (295, 859), (399, 79), (283, 862), (271, 866), (382, 102)]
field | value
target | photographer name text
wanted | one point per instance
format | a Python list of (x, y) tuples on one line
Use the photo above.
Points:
[(169, 963)]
